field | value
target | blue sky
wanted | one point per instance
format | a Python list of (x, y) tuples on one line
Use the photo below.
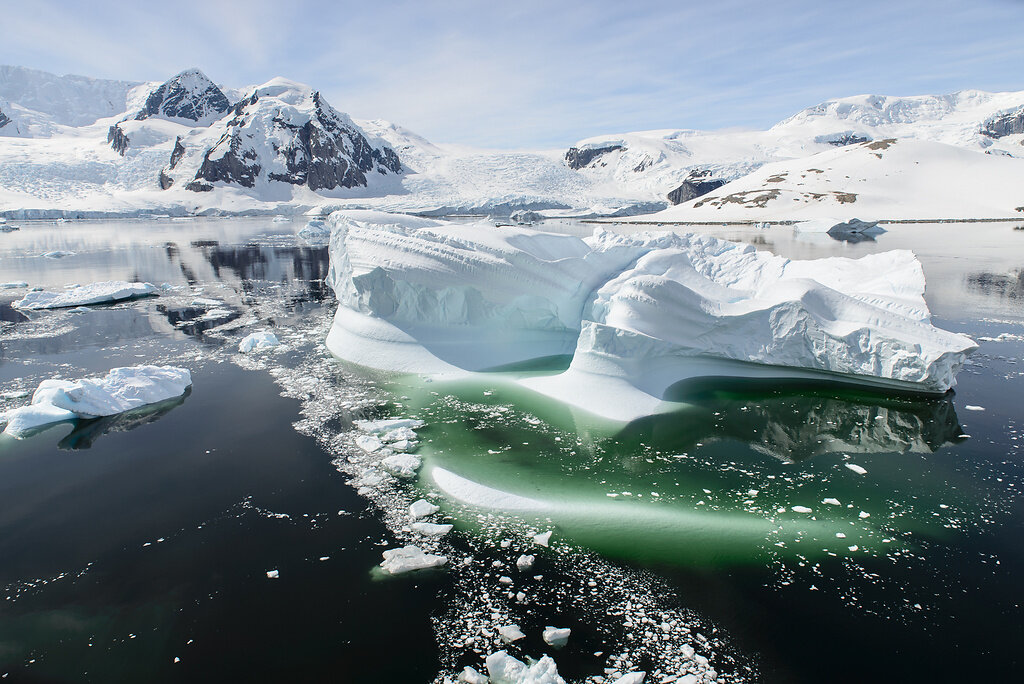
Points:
[(540, 74)]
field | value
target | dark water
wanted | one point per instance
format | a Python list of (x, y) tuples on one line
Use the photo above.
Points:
[(129, 542)]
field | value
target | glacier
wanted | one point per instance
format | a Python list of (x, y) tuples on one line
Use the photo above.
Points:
[(639, 314)]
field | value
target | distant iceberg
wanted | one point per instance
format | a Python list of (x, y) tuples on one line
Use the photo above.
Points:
[(638, 314)]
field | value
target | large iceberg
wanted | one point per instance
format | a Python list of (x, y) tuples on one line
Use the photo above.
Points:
[(639, 314), (121, 390)]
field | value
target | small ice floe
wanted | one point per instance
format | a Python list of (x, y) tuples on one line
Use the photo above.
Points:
[(505, 669), (510, 633), (543, 539), (422, 508), (273, 574), (258, 341), (409, 558), (216, 314), (402, 434), (18, 284), (388, 424), (525, 562), (58, 254), (831, 502), (863, 514), (401, 465), (16, 394), (800, 509), (973, 407), (281, 219), (368, 443), (94, 293), (556, 636), (430, 529), (205, 302), (316, 231), (122, 389), (633, 678), (471, 676), (856, 468)]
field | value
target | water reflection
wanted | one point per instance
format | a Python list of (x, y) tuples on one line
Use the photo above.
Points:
[(86, 432), (1003, 285)]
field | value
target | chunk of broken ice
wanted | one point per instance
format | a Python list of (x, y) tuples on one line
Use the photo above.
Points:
[(409, 558), (504, 669), (95, 293), (525, 562), (542, 539), (422, 508), (510, 633), (430, 529), (401, 465), (556, 636), (258, 341)]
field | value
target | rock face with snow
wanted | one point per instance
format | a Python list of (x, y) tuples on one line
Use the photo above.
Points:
[(285, 133), (1010, 123), (579, 157), (639, 313), (190, 96), (698, 183)]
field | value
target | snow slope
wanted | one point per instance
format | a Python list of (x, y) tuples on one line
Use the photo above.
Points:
[(885, 179), (63, 100), (639, 313)]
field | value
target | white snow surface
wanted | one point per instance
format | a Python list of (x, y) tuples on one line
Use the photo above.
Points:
[(122, 389), (639, 313), (94, 293)]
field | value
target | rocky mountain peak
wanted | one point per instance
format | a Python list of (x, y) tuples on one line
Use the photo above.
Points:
[(190, 95)]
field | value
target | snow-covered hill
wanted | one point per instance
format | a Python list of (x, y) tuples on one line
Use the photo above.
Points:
[(886, 179), (75, 146)]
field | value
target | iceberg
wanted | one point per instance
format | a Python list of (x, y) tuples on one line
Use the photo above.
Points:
[(94, 293), (121, 390), (258, 341), (505, 669), (409, 558), (640, 315)]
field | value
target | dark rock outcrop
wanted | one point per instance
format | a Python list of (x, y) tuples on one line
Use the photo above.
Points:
[(1010, 123), (698, 183), (164, 180), (236, 164), (117, 139), (4, 119), (577, 158), (842, 139), (189, 95), (177, 153)]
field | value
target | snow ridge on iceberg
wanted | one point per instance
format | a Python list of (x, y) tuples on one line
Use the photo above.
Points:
[(639, 313)]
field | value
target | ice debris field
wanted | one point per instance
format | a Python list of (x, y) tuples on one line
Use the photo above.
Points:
[(639, 314)]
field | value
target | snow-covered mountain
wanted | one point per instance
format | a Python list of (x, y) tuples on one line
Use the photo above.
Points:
[(75, 146), (885, 179)]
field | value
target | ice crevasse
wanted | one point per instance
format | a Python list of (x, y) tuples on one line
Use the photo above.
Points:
[(639, 313)]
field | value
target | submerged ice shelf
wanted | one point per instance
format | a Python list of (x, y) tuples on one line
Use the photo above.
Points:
[(639, 314)]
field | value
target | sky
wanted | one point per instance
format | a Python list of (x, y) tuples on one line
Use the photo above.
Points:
[(530, 74)]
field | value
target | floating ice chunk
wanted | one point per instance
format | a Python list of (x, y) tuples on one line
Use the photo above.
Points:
[(368, 443), (216, 314), (430, 529), (422, 508), (409, 558), (281, 219), (556, 636), (831, 502), (15, 394), (525, 562), (504, 669), (510, 633), (631, 678), (973, 407), (13, 285), (388, 424), (542, 539), (258, 341), (863, 514), (273, 574), (402, 445), (800, 509), (856, 468), (399, 434), (58, 254), (95, 293), (122, 389), (315, 228), (401, 465), (471, 676)]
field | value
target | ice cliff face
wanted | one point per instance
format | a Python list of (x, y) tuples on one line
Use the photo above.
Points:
[(639, 313), (286, 133), (189, 96)]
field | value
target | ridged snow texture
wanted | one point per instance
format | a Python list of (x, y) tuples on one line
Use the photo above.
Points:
[(649, 308)]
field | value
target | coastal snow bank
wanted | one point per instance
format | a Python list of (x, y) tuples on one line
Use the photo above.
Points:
[(638, 313), (122, 389)]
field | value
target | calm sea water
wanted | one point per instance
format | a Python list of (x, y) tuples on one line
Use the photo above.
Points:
[(137, 548)]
